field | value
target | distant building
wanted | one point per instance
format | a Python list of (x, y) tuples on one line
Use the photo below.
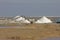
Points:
[(57, 20)]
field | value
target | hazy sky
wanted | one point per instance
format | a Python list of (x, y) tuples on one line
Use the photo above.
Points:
[(30, 7)]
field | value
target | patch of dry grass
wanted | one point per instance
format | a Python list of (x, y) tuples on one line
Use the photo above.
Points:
[(31, 31)]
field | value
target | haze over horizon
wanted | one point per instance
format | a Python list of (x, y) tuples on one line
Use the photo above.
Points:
[(30, 7)]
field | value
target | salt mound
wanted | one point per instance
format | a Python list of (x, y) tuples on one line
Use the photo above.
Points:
[(17, 17), (22, 20), (44, 20)]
